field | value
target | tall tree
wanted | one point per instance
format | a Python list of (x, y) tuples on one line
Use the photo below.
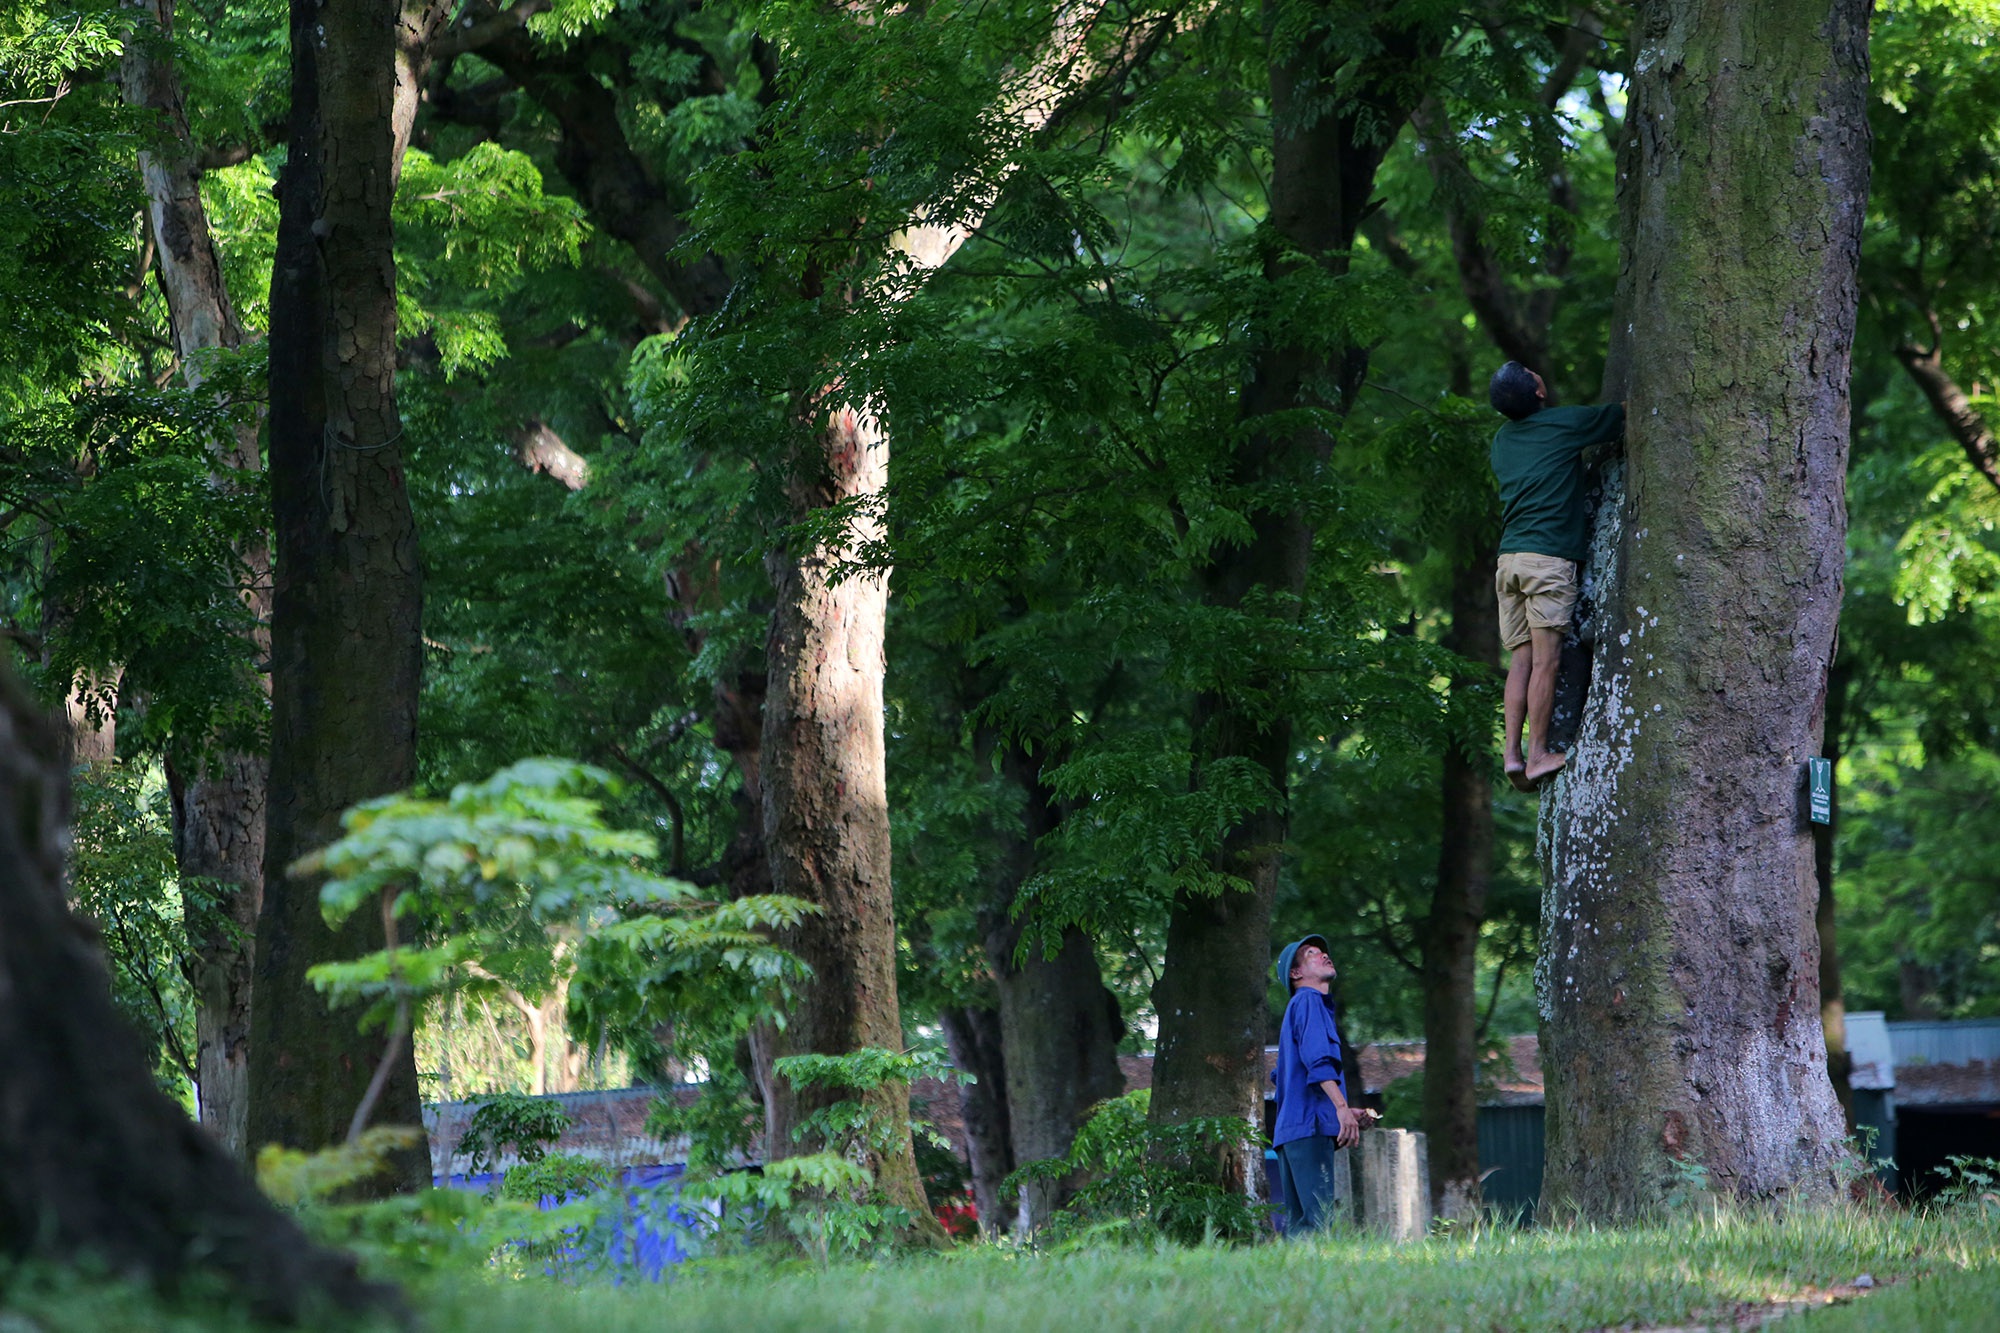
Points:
[(1678, 969), (826, 824), (1341, 88), (217, 787), (345, 630)]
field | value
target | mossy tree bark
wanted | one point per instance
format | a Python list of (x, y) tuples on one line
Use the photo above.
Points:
[(345, 653), (1678, 977), (1325, 152), (101, 1165), (217, 788)]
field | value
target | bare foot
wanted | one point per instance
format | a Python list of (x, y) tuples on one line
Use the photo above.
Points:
[(1541, 770), (1517, 774)]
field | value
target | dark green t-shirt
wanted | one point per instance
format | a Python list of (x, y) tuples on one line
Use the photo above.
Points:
[(1539, 464)]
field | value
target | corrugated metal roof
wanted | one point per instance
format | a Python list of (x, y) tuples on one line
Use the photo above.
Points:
[(1958, 1042)]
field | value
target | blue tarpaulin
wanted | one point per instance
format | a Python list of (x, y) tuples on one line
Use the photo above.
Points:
[(641, 1239)]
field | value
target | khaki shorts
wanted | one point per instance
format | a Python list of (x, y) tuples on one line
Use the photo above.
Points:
[(1535, 591)]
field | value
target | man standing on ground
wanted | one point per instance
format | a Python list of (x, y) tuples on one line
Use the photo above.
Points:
[(1313, 1115), (1538, 461)]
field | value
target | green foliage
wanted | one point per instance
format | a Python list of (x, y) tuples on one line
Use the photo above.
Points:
[(825, 1204), (293, 1178), (69, 200), (824, 1200), (133, 547), (1971, 1183), (123, 878), (1142, 1180), (528, 1124), (469, 231), (559, 1176), (485, 874), (854, 1127)]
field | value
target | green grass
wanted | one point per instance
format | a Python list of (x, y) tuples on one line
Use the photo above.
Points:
[(1939, 1272), (1943, 1273)]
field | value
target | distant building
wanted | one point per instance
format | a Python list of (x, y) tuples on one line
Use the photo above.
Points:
[(1925, 1092)]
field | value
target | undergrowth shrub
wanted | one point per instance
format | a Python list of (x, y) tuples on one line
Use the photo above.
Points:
[(527, 1124), (1142, 1180)]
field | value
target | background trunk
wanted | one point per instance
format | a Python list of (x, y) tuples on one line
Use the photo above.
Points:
[(1450, 938), (91, 712), (345, 648), (1060, 1025), (218, 805), (826, 806), (972, 1038), (100, 1163), (1678, 972), (1211, 994)]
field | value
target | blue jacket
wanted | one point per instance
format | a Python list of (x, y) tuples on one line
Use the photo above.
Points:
[(1308, 1055)]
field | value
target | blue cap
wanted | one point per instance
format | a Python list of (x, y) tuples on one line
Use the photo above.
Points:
[(1283, 968)]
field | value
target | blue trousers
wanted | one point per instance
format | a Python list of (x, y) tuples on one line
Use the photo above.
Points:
[(1305, 1174)]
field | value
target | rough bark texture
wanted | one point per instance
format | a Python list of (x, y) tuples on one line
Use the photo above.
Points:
[(1678, 974), (1210, 996), (1449, 941), (99, 1163), (219, 804), (345, 648), (826, 805)]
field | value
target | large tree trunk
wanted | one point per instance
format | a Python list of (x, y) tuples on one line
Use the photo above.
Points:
[(1210, 996), (99, 1163), (219, 805), (826, 804), (1677, 978), (1450, 938), (345, 652)]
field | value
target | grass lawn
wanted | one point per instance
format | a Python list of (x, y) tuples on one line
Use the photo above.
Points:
[(1936, 1273), (1720, 1270)]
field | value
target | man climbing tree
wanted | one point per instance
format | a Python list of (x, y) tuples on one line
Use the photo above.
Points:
[(1538, 459)]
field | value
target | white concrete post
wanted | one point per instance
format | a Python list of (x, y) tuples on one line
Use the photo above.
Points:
[(1395, 1184)]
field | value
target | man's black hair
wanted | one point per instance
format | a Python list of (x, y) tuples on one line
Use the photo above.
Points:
[(1512, 392)]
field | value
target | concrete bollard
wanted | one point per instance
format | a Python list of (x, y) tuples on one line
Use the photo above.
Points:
[(1395, 1184)]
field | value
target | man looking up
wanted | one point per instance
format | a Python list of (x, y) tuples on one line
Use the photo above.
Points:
[(1538, 461), (1313, 1115)]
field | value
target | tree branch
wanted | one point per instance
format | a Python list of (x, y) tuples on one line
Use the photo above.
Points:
[(476, 30), (1953, 408), (675, 815), (610, 179)]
